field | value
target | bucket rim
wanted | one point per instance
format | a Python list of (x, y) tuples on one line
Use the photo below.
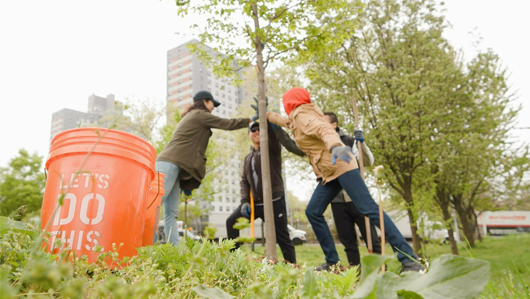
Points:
[(84, 149)]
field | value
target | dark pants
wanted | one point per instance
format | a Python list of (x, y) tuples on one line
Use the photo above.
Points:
[(280, 223), (356, 189), (346, 216)]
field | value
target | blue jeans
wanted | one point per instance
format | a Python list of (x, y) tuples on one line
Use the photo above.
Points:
[(170, 200), (356, 189)]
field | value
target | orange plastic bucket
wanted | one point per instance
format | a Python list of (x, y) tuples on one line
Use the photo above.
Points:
[(105, 199), (154, 198)]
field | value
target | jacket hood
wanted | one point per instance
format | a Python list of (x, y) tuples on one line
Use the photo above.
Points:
[(295, 97)]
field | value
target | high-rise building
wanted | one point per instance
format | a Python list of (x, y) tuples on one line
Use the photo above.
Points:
[(186, 75), (98, 107)]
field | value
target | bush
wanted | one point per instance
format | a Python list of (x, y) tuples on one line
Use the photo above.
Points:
[(205, 269)]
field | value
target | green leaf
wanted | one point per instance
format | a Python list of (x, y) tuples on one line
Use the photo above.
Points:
[(450, 276), (408, 295), (370, 265), (309, 283), (215, 293), (7, 290), (7, 223)]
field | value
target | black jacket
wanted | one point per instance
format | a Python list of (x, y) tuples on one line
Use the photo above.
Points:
[(275, 162)]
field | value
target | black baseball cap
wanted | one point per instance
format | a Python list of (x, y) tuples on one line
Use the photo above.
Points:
[(252, 125), (205, 95)]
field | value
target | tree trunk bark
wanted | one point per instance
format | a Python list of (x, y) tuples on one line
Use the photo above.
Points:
[(270, 232), (467, 225), (416, 241), (448, 219), (477, 229)]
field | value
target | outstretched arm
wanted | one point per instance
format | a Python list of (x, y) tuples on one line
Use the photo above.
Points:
[(286, 141), (277, 119)]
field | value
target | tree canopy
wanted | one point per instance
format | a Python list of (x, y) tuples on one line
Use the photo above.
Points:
[(22, 184)]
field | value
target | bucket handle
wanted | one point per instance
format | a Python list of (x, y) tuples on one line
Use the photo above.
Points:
[(157, 193)]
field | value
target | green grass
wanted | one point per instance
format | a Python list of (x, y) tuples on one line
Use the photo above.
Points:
[(509, 257)]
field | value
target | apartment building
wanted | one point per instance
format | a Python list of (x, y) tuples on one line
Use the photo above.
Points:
[(65, 119)]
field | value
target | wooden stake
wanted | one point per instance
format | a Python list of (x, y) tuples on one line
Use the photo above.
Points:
[(381, 226), (252, 218), (361, 170), (251, 215)]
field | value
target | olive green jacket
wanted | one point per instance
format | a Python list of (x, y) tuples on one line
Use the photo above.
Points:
[(187, 147)]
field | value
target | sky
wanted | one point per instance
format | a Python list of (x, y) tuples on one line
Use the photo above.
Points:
[(54, 54)]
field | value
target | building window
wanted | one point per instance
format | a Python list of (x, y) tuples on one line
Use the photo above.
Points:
[(220, 208)]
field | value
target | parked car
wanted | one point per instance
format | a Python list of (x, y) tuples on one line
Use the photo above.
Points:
[(297, 236), (161, 236)]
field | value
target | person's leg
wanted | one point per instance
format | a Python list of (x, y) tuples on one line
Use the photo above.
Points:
[(282, 232), (231, 232), (355, 187), (345, 224), (358, 217), (170, 200), (316, 207)]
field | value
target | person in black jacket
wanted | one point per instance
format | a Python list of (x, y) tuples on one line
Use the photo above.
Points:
[(345, 214), (251, 182)]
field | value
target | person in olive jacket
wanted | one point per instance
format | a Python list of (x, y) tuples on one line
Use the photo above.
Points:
[(183, 159), (251, 181), (336, 170)]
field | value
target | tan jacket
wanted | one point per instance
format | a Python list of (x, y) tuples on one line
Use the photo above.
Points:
[(315, 137)]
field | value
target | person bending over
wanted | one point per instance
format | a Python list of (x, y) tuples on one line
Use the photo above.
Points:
[(183, 159), (336, 170)]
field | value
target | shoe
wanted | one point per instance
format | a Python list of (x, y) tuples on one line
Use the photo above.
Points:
[(325, 267), (412, 267)]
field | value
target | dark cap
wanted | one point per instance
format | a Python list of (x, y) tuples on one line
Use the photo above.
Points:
[(205, 95), (252, 125)]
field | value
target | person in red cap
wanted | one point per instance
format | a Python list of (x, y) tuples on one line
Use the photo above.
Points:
[(336, 170)]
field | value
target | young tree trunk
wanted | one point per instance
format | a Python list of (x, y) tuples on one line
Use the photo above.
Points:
[(448, 219), (270, 232), (467, 225), (416, 240), (477, 229)]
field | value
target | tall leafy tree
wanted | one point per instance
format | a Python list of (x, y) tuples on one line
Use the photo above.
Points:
[(259, 32), (22, 183), (438, 123), (402, 72)]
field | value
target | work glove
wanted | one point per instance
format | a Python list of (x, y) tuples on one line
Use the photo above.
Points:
[(342, 152), (359, 136), (186, 192), (245, 210), (255, 107)]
